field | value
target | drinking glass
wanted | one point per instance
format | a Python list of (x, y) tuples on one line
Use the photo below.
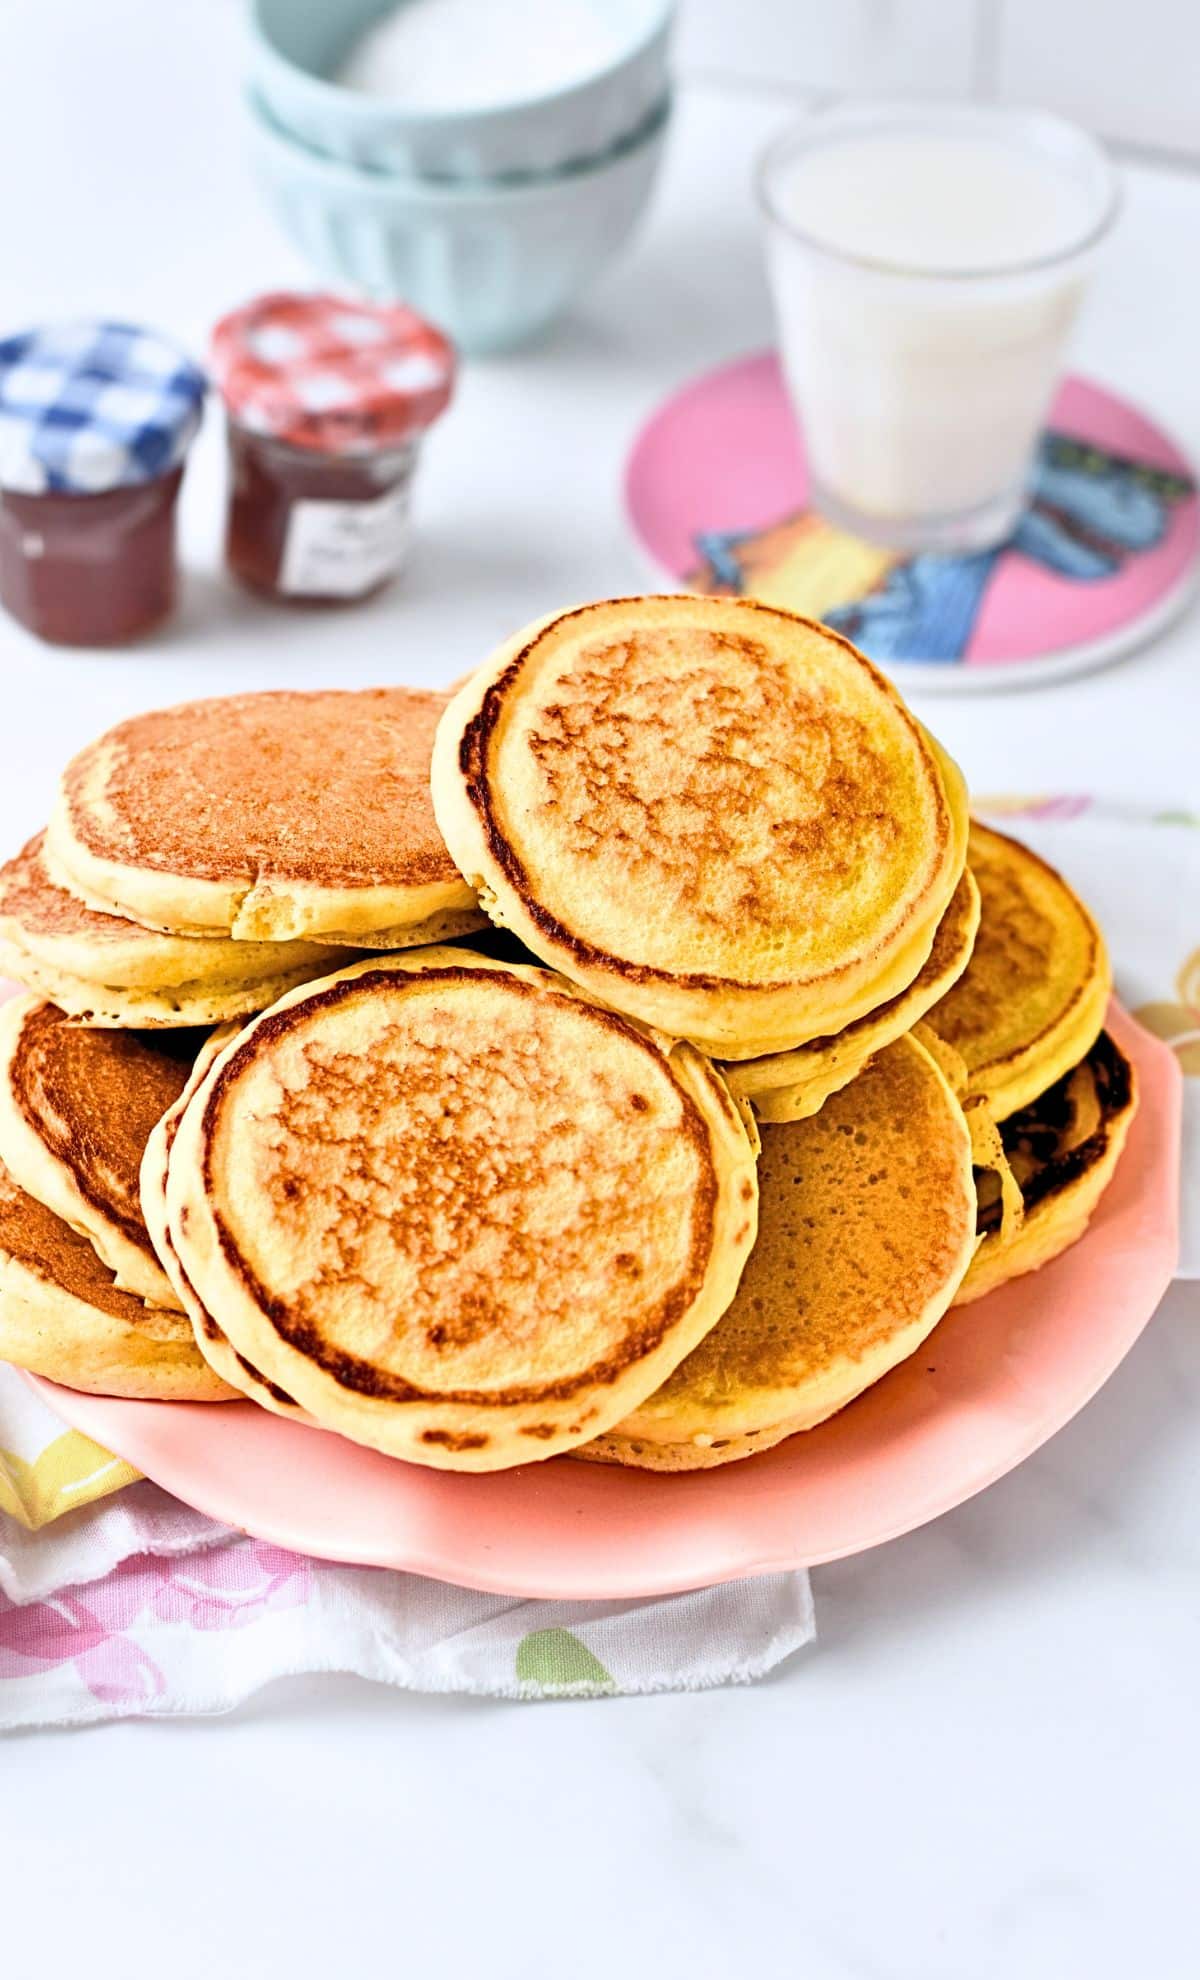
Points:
[(927, 262)]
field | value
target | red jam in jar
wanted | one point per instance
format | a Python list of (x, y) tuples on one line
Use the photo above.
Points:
[(95, 422), (327, 401)]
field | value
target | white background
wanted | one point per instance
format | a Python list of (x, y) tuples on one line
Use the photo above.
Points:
[(1128, 68), (988, 1765)]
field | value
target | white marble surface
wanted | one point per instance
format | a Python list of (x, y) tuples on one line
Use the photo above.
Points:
[(987, 1766)]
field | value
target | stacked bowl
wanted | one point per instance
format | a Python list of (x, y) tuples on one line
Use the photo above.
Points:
[(486, 181)]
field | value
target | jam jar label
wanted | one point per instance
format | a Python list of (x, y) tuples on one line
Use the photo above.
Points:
[(342, 549)]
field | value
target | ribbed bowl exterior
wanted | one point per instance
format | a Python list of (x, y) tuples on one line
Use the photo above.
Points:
[(491, 265), (290, 39)]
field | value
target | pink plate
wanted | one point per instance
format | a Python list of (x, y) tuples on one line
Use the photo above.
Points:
[(992, 1383)]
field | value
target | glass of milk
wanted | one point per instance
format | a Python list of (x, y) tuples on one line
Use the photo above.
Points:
[(927, 262)]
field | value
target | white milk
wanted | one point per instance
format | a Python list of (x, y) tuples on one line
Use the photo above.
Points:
[(921, 338), (480, 54)]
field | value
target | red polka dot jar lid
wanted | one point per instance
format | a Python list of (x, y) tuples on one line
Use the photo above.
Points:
[(331, 374)]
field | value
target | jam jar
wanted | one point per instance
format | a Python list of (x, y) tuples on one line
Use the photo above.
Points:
[(95, 422), (327, 402)]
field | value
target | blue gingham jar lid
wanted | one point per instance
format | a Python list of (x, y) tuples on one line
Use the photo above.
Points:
[(87, 407)]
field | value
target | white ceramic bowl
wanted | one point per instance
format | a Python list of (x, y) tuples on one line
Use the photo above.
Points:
[(490, 264), (298, 45)]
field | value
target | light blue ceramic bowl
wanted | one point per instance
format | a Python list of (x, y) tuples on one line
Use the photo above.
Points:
[(298, 45), (490, 264)]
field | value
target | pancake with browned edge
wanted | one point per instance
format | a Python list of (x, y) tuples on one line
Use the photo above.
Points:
[(76, 1108), (62, 1316), (1063, 1149), (1031, 1001), (866, 1226), (717, 816), (458, 1210), (265, 816), (787, 1086), (57, 927), (233, 1368)]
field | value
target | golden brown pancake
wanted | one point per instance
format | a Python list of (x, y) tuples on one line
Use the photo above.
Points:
[(866, 1225), (76, 1108), (103, 1007), (788, 1086), (58, 930), (264, 816), (106, 971), (458, 1210), (236, 958), (61, 1315), (1032, 999), (232, 1368), (1063, 1149), (420, 935), (713, 814)]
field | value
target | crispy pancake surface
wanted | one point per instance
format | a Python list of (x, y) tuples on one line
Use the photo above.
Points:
[(788, 1086), (457, 1210), (1063, 1149), (76, 1108), (62, 1316), (265, 816), (715, 815), (866, 1226), (1031, 1001)]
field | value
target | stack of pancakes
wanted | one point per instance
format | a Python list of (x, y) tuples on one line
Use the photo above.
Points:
[(201, 861), (770, 1058), (1024, 1025)]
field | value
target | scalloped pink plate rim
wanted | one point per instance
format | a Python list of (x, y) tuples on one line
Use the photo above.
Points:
[(992, 1383)]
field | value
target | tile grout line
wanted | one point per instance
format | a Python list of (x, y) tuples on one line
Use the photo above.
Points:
[(985, 49), (809, 96)]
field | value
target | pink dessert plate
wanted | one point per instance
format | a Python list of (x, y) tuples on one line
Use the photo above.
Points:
[(1102, 559), (991, 1384)]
